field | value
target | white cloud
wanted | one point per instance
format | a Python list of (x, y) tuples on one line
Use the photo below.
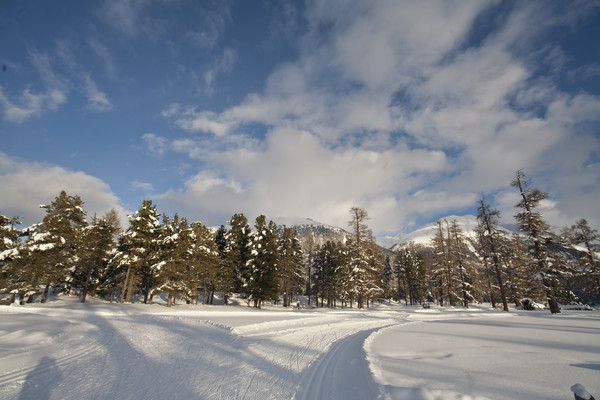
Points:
[(204, 121), (124, 15), (97, 100), (30, 105), (155, 144), (468, 117), (26, 185), (145, 186), (222, 64)]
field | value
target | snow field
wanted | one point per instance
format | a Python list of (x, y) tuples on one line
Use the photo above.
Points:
[(67, 350), (481, 355)]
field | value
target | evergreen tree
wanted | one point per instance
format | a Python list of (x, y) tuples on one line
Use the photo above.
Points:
[(581, 234), (263, 283), (206, 263), (290, 265), (411, 275), (385, 279), (365, 259), (95, 253), (328, 269), (515, 255), (57, 241), (533, 225), (137, 252), (9, 250), (490, 243), (175, 277), (461, 257), (226, 275), (443, 271), (238, 250)]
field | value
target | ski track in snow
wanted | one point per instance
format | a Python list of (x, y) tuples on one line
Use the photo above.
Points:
[(137, 352), (341, 373), (104, 351)]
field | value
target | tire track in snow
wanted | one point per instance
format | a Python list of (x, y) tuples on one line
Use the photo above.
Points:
[(341, 373)]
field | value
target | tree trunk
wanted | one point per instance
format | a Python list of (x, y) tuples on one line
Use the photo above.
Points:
[(169, 300), (45, 296), (125, 284), (286, 301), (86, 285)]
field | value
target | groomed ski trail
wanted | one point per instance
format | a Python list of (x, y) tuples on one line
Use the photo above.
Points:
[(341, 373)]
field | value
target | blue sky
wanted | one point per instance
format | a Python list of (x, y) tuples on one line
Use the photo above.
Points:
[(411, 110)]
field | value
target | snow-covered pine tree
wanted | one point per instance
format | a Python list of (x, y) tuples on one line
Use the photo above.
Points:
[(385, 279), (96, 249), (328, 273), (238, 249), (137, 250), (226, 275), (57, 241), (581, 234), (174, 275), (365, 259), (263, 281), (490, 244), (533, 225), (411, 275), (463, 261), (290, 265), (9, 250), (206, 263), (442, 268)]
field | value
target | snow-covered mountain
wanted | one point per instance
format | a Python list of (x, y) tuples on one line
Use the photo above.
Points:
[(423, 236), (322, 232), (307, 227)]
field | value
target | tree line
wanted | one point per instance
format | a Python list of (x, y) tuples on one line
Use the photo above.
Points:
[(501, 266), (158, 254), (154, 255)]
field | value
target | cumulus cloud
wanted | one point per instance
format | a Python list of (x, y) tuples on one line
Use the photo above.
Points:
[(402, 117), (27, 185)]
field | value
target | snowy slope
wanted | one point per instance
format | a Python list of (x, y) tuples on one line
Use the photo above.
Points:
[(306, 227), (68, 350), (424, 235)]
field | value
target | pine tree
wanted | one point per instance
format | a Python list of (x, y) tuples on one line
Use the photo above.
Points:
[(443, 271), (490, 239), (290, 265), (263, 283), (385, 279), (365, 259), (137, 252), (581, 234), (174, 275), (238, 250), (462, 260), (95, 253), (329, 268), (516, 257), (206, 263), (411, 275), (9, 250), (57, 241), (226, 275), (533, 225)]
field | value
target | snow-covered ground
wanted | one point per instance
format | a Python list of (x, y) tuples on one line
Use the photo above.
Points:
[(68, 350)]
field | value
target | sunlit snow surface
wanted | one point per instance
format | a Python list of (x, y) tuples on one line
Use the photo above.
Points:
[(68, 350)]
